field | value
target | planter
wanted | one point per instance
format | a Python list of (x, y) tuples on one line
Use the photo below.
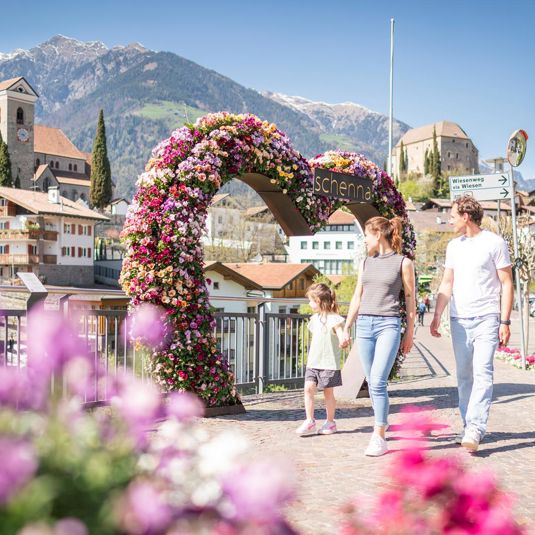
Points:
[(226, 410)]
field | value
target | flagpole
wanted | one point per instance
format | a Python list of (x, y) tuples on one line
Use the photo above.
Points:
[(390, 120)]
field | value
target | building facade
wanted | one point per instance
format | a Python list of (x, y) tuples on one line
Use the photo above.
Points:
[(41, 156), (335, 250), (48, 235), (457, 151)]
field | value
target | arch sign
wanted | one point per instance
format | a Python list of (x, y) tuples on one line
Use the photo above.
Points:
[(163, 229)]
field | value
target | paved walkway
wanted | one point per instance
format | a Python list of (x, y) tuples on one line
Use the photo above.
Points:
[(331, 470)]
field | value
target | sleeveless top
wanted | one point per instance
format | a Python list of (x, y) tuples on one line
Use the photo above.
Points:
[(381, 285)]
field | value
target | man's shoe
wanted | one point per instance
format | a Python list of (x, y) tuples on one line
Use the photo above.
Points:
[(328, 428), (471, 439), (308, 426), (376, 447)]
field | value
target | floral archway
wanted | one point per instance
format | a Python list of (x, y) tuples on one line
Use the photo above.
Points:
[(164, 261)]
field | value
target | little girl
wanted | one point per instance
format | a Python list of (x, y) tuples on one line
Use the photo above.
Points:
[(323, 364)]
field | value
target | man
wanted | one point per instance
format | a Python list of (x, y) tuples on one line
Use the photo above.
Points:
[(478, 278), (421, 311)]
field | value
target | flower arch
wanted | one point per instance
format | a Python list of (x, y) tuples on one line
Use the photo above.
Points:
[(162, 233)]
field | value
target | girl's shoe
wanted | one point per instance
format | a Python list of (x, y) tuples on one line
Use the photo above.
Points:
[(308, 426), (376, 447), (328, 428)]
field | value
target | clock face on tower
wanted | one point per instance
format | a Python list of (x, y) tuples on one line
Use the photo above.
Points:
[(23, 135)]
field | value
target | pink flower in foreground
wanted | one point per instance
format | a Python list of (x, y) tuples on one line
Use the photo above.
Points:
[(259, 491), (184, 406), (70, 526), (148, 325), (18, 465), (143, 510)]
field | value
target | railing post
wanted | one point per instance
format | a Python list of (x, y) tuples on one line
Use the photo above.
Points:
[(260, 347)]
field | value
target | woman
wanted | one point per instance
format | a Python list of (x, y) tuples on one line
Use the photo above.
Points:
[(376, 301)]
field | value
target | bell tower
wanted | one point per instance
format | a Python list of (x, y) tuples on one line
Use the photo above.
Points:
[(17, 112)]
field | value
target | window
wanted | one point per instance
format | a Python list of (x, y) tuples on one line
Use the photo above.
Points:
[(453, 141), (32, 249), (70, 167), (303, 245), (315, 245), (216, 285), (327, 245), (20, 116), (66, 228), (73, 228), (449, 154), (37, 162), (75, 168), (57, 165), (338, 244), (466, 145), (4, 249), (4, 225), (220, 219), (81, 229), (350, 245)]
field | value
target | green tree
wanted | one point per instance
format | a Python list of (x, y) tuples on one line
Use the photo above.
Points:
[(406, 161), (100, 192), (426, 162), (439, 189), (6, 178)]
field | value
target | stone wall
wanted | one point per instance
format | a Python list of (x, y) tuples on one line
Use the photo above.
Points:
[(61, 275)]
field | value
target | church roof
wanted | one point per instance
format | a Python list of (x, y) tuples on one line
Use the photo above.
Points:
[(38, 203), (341, 217), (6, 84), (73, 181), (53, 141), (443, 128)]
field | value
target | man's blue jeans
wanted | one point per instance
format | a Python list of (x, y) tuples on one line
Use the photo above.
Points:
[(378, 343), (474, 343)]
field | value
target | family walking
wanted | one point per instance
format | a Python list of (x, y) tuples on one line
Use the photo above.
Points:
[(477, 279)]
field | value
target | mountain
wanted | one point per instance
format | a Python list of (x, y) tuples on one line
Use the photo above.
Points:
[(146, 94)]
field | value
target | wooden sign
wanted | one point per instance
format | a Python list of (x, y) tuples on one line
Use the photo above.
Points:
[(341, 186)]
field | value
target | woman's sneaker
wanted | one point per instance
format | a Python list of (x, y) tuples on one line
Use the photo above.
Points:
[(308, 426), (376, 447), (328, 428), (471, 439)]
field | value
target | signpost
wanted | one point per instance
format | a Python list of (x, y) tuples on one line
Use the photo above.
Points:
[(516, 150), (495, 187)]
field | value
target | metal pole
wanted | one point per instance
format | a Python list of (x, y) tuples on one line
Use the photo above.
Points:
[(517, 271), (390, 120)]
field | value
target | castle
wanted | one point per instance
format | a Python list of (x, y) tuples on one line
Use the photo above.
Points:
[(41, 156)]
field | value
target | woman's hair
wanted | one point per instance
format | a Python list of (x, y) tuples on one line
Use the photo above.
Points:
[(468, 205), (325, 296), (390, 229)]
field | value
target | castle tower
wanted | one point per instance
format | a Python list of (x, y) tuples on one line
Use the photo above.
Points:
[(17, 111)]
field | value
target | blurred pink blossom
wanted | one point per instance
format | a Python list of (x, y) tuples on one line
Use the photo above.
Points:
[(184, 406), (18, 465)]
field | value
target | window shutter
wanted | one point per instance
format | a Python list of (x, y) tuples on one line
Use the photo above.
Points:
[(6, 249), (80, 230), (89, 230), (73, 228), (7, 225), (73, 251), (89, 252), (79, 252)]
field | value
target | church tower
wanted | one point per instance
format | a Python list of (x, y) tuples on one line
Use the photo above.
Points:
[(17, 111)]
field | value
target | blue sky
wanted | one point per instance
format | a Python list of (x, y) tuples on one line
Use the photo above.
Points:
[(472, 62)]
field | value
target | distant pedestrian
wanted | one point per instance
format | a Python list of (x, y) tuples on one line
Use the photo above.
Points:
[(427, 303), (478, 279), (382, 276), (422, 309), (323, 362)]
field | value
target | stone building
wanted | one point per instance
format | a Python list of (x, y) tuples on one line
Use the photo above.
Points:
[(41, 156), (457, 151)]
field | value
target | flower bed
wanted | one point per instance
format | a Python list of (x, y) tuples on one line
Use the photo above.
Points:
[(512, 356), (162, 234)]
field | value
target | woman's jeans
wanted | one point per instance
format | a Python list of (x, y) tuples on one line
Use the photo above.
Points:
[(474, 342), (378, 343)]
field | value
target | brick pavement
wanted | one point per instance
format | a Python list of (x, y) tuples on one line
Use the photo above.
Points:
[(332, 469)]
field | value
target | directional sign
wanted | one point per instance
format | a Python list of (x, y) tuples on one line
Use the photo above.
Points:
[(482, 187)]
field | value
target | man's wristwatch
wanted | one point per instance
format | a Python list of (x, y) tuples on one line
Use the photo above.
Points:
[(505, 322)]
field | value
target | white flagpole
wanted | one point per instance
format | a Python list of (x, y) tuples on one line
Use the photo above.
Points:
[(391, 97)]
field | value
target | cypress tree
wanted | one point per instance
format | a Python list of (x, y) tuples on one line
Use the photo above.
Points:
[(100, 191), (16, 184), (401, 160), (435, 167), (426, 162), (406, 161), (6, 178)]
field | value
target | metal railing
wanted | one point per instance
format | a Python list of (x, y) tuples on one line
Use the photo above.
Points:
[(263, 347)]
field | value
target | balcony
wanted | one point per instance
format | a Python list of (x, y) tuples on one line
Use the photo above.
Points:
[(18, 259), (26, 234)]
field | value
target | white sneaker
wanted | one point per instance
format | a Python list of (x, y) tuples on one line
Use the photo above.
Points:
[(471, 439), (376, 447), (308, 426)]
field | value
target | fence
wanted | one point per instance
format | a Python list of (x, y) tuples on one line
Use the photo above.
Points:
[(266, 349)]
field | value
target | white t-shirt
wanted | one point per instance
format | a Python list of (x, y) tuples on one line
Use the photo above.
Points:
[(476, 286), (324, 351)]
